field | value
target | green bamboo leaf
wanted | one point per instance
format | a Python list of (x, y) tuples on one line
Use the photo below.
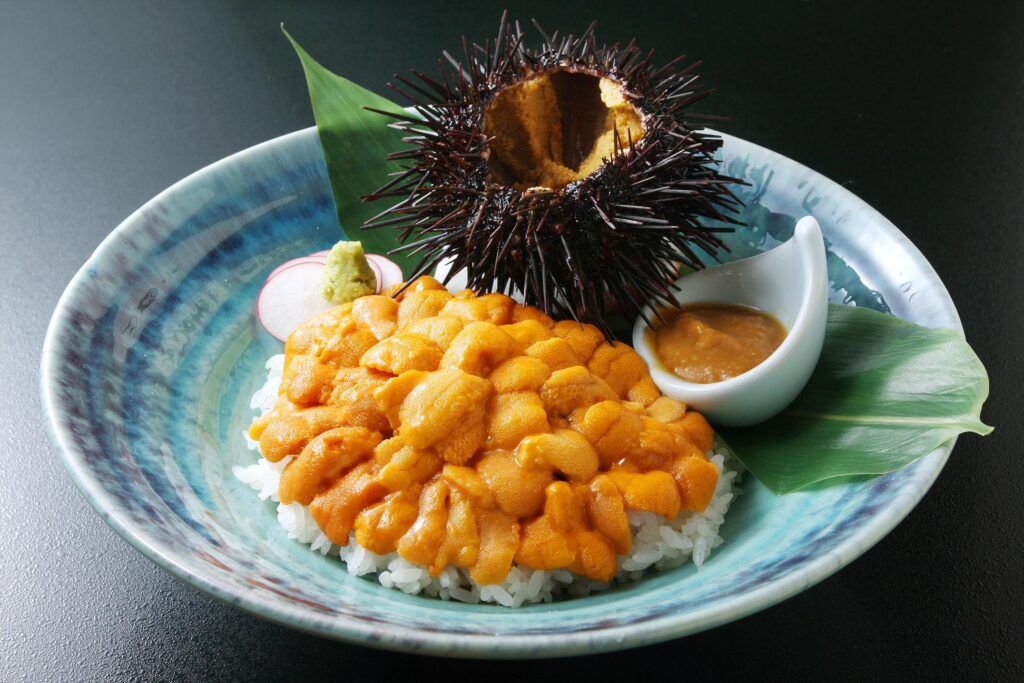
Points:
[(355, 144), (885, 393)]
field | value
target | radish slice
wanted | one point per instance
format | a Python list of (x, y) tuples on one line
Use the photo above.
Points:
[(378, 276), (312, 258), (388, 272), (290, 297)]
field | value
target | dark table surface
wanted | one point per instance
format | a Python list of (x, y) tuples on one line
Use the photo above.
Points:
[(918, 107)]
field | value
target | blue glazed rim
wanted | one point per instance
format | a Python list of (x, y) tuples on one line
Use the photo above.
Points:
[(657, 629)]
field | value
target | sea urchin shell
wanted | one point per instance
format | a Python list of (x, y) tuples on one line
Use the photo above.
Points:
[(570, 173)]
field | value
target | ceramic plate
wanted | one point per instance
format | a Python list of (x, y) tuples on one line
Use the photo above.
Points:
[(154, 351)]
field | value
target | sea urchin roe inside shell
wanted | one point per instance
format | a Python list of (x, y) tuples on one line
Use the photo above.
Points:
[(474, 432), (557, 127)]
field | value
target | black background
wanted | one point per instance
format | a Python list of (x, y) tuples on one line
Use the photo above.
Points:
[(915, 106)]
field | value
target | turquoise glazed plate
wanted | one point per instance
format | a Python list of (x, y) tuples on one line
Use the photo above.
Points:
[(154, 351)]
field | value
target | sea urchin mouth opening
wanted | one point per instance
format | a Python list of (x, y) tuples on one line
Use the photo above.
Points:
[(555, 128)]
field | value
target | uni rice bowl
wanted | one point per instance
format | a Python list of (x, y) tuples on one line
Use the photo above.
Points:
[(658, 543)]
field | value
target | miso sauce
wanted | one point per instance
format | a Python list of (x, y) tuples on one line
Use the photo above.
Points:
[(705, 343)]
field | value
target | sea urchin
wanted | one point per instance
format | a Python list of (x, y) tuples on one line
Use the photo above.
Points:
[(570, 172)]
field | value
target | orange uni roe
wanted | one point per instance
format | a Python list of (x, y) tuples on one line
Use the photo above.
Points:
[(470, 431)]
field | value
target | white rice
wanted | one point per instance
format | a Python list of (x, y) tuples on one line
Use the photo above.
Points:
[(657, 542)]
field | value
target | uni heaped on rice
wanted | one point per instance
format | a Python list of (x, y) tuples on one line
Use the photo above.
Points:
[(658, 543)]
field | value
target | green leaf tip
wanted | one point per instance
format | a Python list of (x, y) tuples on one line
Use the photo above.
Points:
[(355, 144)]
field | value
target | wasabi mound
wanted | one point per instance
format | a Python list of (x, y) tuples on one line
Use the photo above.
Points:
[(348, 275)]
